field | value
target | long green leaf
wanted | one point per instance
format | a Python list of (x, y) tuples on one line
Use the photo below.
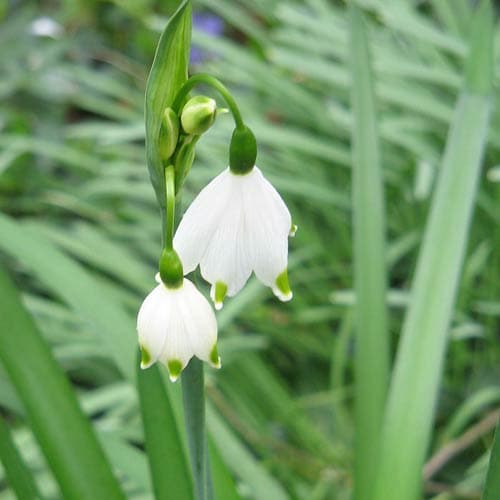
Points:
[(224, 486), (18, 475), (242, 462), (69, 282), (372, 336), (492, 486), (65, 435), (417, 373), (193, 392), (169, 468)]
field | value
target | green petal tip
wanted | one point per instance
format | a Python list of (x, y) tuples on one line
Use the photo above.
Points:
[(215, 358), (146, 360), (174, 369), (218, 294), (282, 287)]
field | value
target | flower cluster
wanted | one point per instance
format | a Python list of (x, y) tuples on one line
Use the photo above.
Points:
[(238, 224)]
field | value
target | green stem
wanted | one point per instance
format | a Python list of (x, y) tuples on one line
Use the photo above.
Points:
[(170, 206), (209, 80), (193, 390)]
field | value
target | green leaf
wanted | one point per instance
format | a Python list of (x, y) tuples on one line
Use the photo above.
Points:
[(492, 486), (18, 476), (224, 485), (64, 433), (479, 69), (417, 373), (372, 336), (193, 392), (261, 483), (168, 463), (168, 73), (76, 287)]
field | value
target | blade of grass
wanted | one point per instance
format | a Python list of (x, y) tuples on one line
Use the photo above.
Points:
[(224, 486), (372, 339), (193, 392), (417, 373), (168, 465), (242, 461), (492, 486), (73, 285), (65, 435), (19, 477)]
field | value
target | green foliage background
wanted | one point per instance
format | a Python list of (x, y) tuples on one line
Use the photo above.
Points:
[(80, 229)]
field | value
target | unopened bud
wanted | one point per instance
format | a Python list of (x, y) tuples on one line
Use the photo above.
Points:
[(169, 134), (198, 115)]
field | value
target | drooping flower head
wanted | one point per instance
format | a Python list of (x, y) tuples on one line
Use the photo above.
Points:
[(237, 224), (174, 324)]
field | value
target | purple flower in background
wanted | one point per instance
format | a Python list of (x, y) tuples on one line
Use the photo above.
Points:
[(209, 24)]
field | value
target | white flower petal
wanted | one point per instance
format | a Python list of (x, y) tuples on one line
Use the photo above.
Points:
[(226, 258), (177, 346), (268, 224), (175, 324), (152, 320), (199, 321), (200, 220)]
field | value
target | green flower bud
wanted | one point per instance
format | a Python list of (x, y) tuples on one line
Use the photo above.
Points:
[(169, 134), (171, 271), (242, 151), (198, 115)]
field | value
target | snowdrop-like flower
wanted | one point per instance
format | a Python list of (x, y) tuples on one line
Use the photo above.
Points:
[(237, 224), (175, 324)]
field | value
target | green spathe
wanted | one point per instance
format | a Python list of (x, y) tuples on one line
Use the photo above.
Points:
[(242, 151), (198, 115), (171, 272)]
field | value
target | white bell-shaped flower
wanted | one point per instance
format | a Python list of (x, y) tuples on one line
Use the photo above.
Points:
[(237, 224), (175, 324)]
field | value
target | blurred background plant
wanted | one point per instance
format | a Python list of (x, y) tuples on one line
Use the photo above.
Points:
[(79, 231)]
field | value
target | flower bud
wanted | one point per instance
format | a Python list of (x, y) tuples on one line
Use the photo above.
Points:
[(198, 115), (169, 133), (242, 151)]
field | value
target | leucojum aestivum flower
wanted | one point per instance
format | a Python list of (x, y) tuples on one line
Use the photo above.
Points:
[(238, 224)]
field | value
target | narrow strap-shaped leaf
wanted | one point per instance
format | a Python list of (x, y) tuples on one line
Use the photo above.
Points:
[(18, 475), (64, 433), (417, 374), (224, 486), (193, 391), (492, 485), (243, 463), (69, 281), (372, 336), (168, 72), (168, 464)]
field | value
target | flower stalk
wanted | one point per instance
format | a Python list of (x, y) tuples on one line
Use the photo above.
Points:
[(205, 79), (170, 206)]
